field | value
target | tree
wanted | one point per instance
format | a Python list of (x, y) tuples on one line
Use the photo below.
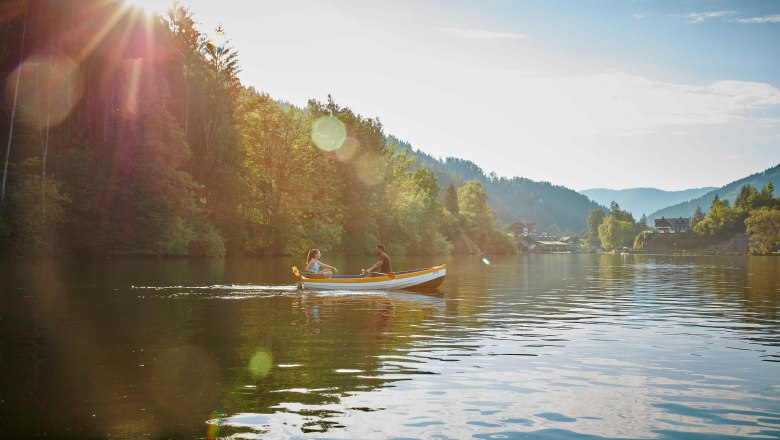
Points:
[(641, 225), (698, 216), (721, 220), (642, 239), (763, 229), (451, 199), (13, 107), (595, 219), (615, 234)]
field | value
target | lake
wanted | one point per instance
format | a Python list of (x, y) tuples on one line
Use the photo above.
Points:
[(537, 346)]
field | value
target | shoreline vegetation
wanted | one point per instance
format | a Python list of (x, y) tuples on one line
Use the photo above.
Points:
[(751, 225), (138, 140)]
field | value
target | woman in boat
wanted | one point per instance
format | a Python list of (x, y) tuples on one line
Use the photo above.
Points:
[(315, 266)]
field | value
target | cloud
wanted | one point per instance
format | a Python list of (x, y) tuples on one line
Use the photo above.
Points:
[(698, 17), (621, 104), (481, 34), (765, 19)]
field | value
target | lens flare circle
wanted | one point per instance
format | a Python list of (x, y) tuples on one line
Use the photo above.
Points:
[(369, 169), (328, 133), (348, 149), (260, 364), (49, 89)]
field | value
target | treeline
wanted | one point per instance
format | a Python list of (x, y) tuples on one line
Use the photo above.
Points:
[(754, 213), (134, 136)]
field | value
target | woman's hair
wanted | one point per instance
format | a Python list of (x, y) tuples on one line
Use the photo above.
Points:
[(312, 254)]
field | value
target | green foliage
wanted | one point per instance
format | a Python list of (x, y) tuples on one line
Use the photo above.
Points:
[(763, 229), (451, 199), (722, 220), (619, 214), (595, 219), (615, 233), (30, 224), (698, 216), (642, 239)]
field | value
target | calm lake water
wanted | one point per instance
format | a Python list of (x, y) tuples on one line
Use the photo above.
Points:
[(545, 346)]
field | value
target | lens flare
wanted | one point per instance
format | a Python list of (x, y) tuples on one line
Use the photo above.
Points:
[(348, 149), (328, 133), (486, 261), (260, 364), (369, 169), (131, 87), (212, 432), (49, 89)]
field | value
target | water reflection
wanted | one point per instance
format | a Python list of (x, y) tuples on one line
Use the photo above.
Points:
[(558, 346)]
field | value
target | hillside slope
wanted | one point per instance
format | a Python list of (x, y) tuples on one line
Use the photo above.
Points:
[(516, 198), (728, 192)]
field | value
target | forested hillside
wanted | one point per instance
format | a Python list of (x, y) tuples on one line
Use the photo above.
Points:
[(131, 135), (640, 201), (516, 198), (726, 192)]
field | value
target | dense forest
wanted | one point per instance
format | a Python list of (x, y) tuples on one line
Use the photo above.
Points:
[(131, 135), (515, 198)]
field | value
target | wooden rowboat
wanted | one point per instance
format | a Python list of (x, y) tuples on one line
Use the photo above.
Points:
[(417, 279)]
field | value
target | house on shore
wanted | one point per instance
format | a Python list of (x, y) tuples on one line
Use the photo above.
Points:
[(672, 225), (523, 228)]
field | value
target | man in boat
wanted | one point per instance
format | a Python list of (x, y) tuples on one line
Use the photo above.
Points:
[(382, 266)]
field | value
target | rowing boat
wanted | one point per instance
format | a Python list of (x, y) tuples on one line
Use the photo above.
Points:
[(417, 279)]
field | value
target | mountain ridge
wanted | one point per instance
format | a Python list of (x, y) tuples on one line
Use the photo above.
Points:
[(643, 200), (728, 192)]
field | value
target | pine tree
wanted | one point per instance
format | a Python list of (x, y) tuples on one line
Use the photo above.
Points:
[(451, 199)]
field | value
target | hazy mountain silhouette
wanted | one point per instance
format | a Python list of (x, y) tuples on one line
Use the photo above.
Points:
[(640, 201)]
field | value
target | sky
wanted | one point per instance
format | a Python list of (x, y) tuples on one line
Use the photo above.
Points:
[(604, 93)]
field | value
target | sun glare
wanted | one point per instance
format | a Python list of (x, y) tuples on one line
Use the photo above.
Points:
[(151, 6)]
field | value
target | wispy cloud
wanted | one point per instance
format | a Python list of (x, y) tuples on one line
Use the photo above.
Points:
[(482, 34), (698, 17), (619, 103), (765, 19)]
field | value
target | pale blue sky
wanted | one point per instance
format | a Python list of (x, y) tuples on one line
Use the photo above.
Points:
[(604, 93)]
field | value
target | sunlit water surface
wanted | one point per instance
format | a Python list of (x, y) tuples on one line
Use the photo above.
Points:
[(548, 346)]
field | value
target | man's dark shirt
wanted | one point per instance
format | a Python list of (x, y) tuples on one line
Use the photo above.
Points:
[(386, 267)]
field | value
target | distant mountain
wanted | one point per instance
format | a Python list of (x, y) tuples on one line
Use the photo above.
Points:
[(516, 198), (640, 201), (728, 192)]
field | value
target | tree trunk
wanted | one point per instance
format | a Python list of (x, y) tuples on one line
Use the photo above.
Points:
[(13, 107)]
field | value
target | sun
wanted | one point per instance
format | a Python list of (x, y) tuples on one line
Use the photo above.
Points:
[(159, 7)]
